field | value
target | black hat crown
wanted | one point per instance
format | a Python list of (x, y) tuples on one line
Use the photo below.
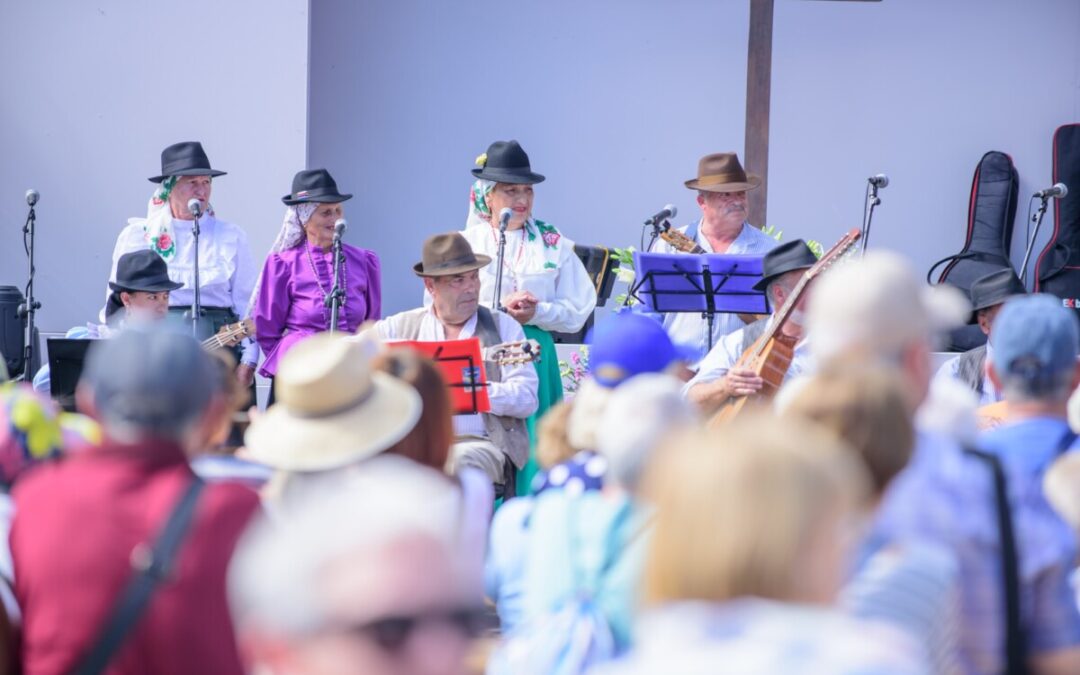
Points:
[(314, 185), (506, 162), (143, 271), (787, 257), (185, 159), (995, 288)]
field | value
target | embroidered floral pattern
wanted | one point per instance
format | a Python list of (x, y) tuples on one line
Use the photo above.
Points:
[(548, 234)]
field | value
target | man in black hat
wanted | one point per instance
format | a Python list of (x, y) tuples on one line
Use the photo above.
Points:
[(227, 271), (140, 293), (988, 294), (496, 442), (717, 379)]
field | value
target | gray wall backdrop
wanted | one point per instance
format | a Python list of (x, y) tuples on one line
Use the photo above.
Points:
[(615, 101), (92, 93)]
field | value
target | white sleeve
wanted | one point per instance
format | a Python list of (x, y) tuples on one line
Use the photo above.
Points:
[(517, 394), (575, 297), (126, 242), (241, 286), (718, 361)]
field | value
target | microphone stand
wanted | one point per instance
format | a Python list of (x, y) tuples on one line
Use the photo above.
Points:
[(196, 302), (871, 201), (1037, 219), (29, 308), (496, 300), (337, 293)]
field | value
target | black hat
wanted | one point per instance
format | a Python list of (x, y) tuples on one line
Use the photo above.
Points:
[(994, 289), (506, 162), (185, 159), (788, 257), (314, 185), (142, 271)]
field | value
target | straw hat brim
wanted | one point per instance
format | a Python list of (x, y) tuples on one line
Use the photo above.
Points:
[(752, 182), (284, 440)]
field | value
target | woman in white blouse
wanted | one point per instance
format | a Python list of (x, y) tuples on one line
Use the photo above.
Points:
[(544, 284), (227, 271)]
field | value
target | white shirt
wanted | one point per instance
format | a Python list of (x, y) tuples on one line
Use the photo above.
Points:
[(727, 352), (515, 396), (690, 328), (227, 272), (950, 370), (553, 273)]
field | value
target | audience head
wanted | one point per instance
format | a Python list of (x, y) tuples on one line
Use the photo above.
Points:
[(151, 383), (877, 310), (324, 588), (333, 409), (758, 508), (552, 444), (1035, 345), (429, 441), (33, 430), (620, 347), (640, 414), (866, 408)]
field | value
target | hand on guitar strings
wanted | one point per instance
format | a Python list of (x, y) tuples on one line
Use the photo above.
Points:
[(742, 382), (521, 305)]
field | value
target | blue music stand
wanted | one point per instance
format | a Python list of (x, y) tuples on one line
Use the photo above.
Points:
[(710, 284)]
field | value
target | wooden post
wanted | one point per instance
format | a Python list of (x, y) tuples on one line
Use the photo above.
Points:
[(758, 89)]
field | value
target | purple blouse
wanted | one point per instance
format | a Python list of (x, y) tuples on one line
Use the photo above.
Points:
[(291, 303)]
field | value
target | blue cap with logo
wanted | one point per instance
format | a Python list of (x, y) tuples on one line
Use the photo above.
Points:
[(629, 344), (1035, 338)]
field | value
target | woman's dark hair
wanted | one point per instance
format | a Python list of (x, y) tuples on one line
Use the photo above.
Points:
[(429, 441), (114, 308)]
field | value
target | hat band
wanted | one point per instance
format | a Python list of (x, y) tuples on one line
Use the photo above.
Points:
[(720, 178), (343, 408), (452, 263)]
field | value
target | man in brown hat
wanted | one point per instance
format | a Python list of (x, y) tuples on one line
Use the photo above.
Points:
[(721, 185), (486, 441)]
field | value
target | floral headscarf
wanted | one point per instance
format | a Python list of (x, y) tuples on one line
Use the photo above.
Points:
[(290, 236), (32, 430), (480, 214), (157, 230)]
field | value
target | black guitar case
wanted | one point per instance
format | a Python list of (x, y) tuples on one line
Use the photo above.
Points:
[(1057, 270), (991, 211)]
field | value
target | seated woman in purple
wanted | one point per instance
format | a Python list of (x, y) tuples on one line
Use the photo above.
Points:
[(290, 300)]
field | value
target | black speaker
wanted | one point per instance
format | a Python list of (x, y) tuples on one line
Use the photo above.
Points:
[(12, 330)]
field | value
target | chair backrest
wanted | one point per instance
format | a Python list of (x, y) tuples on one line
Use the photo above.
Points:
[(601, 266)]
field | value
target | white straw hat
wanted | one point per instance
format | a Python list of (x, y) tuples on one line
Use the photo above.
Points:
[(332, 409)]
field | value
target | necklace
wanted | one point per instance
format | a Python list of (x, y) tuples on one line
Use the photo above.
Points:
[(520, 254), (322, 289)]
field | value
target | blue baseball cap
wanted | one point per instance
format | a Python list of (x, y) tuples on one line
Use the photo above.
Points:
[(629, 344), (1035, 337)]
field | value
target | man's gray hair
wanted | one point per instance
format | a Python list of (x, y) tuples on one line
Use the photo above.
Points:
[(1024, 389), (640, 414), (150, 382), (274, 574)]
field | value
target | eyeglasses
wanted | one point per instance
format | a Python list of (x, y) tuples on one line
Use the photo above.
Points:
[(392, 633)]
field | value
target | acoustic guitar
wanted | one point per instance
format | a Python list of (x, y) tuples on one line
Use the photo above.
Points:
[(230, 335), (513, 353), (770, 356)]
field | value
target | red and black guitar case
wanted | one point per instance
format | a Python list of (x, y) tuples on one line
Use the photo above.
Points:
[(991, 211), (1057, 270)]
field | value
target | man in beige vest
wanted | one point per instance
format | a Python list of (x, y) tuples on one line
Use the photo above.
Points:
[(495, 442)]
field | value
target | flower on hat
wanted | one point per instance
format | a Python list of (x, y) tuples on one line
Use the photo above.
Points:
[(481, 159)]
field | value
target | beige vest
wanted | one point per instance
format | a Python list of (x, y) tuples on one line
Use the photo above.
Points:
[(509, 434)]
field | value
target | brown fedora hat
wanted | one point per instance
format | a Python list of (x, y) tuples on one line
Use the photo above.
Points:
[(448, 254), (722, 172)]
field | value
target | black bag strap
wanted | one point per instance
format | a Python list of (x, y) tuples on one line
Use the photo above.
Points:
[(1015, 640), (151, 567), (976, 256)]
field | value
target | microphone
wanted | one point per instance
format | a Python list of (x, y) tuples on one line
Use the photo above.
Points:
[(504, 219), (880, 180), (195, 206), (339, 229), (1057, 191), (32, 196), (667, 212)]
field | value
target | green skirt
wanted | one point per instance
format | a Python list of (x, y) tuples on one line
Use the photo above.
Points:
[(549, 393)]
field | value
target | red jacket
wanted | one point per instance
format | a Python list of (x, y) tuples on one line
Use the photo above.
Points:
[(76, 523)]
